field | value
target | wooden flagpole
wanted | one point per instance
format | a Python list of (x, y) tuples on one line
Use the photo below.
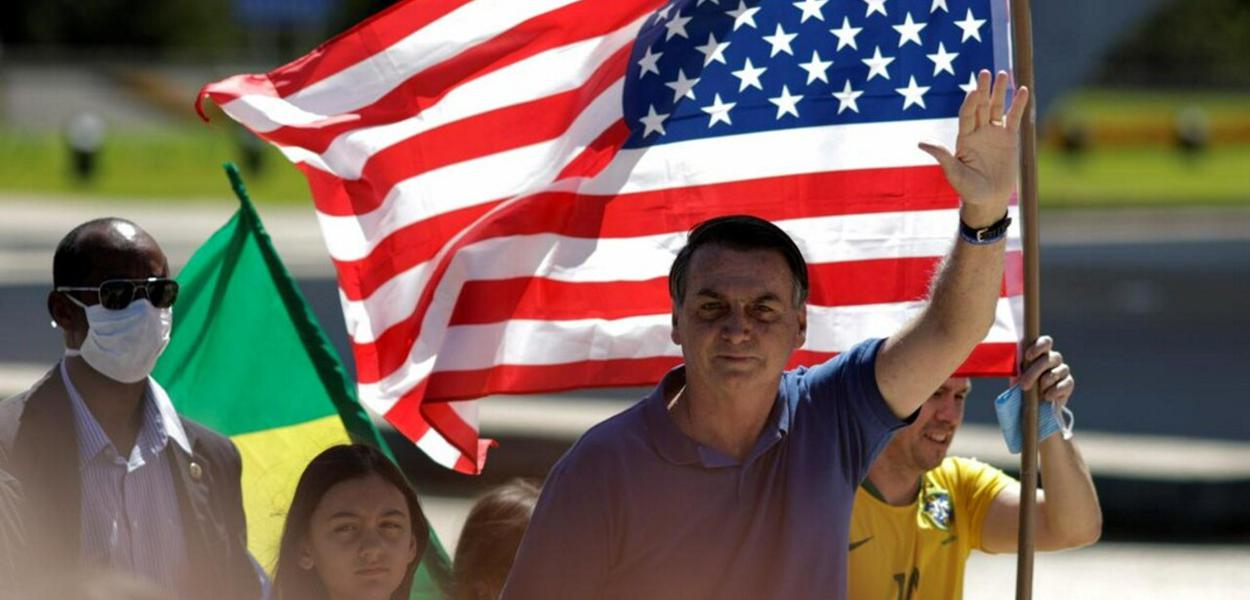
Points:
[(1022, 42)]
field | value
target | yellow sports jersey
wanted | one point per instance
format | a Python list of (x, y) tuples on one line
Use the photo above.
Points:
[(917, 552)]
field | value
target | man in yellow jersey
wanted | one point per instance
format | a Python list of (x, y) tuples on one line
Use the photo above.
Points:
[(919, 514)]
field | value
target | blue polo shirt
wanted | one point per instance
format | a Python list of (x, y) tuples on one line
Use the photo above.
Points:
[(636, 509)]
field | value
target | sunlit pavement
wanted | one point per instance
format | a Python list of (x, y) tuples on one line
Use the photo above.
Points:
[(1110, 570), (1105, 571)]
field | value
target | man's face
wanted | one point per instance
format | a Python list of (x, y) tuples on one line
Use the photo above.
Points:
[(923, 444), (121, 252), (738, 324)]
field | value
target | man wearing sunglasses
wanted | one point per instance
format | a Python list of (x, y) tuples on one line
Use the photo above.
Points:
[(112, 477)]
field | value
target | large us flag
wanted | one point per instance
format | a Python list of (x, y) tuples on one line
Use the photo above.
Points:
[(502, 184)]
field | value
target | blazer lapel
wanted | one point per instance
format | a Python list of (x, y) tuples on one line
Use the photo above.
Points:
[(201, 530)]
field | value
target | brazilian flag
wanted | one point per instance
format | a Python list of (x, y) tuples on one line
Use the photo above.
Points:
[(248, 359)]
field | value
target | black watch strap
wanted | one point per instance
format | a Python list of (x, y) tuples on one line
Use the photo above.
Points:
[(985, 235)]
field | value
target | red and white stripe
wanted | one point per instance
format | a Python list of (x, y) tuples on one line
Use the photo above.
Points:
[(491, 236)]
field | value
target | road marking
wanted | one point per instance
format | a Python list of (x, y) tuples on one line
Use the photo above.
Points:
[(1097, 227)]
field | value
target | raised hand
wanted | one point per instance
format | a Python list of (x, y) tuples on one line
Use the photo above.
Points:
[(986, 164)]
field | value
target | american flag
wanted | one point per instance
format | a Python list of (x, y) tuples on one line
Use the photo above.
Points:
[(503, 184)]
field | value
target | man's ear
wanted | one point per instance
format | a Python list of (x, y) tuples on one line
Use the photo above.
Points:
[(67, 316)]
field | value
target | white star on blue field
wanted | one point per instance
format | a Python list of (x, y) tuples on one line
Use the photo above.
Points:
[(703, 68)]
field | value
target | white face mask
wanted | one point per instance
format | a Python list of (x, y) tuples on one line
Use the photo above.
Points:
[(124, 344)]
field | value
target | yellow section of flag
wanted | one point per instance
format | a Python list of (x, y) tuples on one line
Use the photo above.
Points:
[(272, 463)]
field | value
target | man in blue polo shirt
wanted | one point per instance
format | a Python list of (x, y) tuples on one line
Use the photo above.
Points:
[(734, 479)]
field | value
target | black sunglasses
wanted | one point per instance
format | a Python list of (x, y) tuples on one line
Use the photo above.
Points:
[(116, 294)]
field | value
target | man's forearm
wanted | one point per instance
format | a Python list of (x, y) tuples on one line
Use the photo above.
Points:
[(960, 312), (962, 304), (984, 171), (965, 294), (1070, 513)]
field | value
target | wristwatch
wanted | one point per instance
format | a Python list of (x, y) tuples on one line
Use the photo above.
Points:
[(985, 235)]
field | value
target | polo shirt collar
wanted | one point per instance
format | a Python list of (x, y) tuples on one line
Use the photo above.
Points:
[(668, 440), (674, 446)]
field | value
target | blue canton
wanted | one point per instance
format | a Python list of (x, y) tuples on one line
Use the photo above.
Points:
[(705, 68)]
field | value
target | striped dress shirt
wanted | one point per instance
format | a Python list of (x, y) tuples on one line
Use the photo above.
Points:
[(131, 521)]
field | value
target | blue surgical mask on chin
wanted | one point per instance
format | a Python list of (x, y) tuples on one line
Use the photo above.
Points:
[(1008, 405), (123, 345)]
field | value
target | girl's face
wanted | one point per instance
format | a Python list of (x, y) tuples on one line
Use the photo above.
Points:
[(360, 540)]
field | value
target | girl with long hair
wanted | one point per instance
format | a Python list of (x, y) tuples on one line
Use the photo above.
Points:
[(355, 530)]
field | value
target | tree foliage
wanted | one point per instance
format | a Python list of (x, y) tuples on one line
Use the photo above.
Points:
[(1204, 43)]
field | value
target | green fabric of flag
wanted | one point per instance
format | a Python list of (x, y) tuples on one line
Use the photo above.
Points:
[(248, 359)]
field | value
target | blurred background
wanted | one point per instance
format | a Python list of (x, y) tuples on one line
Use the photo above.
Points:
[(1144, 136)]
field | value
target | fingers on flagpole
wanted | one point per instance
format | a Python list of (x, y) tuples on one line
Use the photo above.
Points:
[(1040, 346)]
